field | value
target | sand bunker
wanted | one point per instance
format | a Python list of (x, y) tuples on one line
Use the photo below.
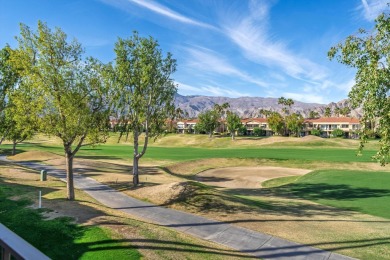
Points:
[(245, 177)]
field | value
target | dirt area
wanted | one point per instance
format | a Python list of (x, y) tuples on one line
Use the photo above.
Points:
[(245, 177)]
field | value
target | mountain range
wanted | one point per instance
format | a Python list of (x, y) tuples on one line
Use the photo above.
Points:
[(249, 107)]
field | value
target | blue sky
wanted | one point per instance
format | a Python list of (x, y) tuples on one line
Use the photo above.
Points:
[(233, 48)]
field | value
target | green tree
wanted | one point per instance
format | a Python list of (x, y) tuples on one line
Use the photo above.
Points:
[(276, 123), (20, 120), (294, 123), (265, 112), (221, 109), (314, 114), (65, 90), (257, 131), (208, 121), (242, 130), (287, 102), (316, 132), (337, 111), (233, 123), (143, 91), (345, 111), (9, 78), (338, 133), (369, 53), (328, 112)]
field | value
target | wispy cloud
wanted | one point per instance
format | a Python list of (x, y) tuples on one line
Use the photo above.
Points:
[(250, 33), (158, 9), (308, 98), (210, 62), (208, 91), (372, 8)]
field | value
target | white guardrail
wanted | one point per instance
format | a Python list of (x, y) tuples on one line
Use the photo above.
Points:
[(14, 247)]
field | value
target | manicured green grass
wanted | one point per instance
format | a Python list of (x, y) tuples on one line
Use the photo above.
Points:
[(58, 238), (362, 191), (101, 246), (120, 151)]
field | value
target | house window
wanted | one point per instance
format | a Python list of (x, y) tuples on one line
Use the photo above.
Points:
[(344, 126)]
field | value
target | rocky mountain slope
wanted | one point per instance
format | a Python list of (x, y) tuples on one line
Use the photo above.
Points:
[(247, 107)]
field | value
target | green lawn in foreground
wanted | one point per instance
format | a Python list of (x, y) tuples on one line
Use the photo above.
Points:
[(362, 191), (58, 238), (120, 151)]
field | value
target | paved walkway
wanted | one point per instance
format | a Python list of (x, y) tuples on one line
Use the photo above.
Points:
[(255, 243)]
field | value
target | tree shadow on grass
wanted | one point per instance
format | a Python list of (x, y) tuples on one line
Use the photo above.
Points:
[(205, 199), (292, 250), (164, 245), (98, 157), (206, 179), (315, 191), (55, 236)]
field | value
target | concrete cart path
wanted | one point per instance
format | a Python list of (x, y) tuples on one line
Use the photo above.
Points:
[(255, 243)]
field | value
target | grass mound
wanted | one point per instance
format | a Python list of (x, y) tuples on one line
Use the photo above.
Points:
[(34, 156)]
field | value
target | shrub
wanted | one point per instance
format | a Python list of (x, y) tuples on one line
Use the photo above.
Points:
[(242, 130), (316, 132), (258, 131), (338, 133)]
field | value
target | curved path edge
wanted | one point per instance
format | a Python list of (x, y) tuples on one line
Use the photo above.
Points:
[(255, 243)]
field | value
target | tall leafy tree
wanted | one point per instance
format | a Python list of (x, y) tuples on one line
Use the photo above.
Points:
[(233, 123), (65, 90), (208, 121), (294, 123), (20, 119), (143, 92), (9, 78), (276, 123), (369, 53)]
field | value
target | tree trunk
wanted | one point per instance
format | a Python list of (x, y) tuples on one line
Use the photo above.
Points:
[(69, 175), (210, 134), (2, 139), (13, 148), (135, 171), (232, 136), (135, 160)]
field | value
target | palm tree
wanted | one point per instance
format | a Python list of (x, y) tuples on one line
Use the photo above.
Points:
[(337, 111), (328, 112)]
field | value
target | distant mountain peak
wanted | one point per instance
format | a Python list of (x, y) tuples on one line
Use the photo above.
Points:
[(250, 106)]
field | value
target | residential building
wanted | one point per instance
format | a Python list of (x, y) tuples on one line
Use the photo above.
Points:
[(252, 123), (349, 125), (186, 126)]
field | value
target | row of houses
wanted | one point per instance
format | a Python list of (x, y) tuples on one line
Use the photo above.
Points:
[(326, 124)]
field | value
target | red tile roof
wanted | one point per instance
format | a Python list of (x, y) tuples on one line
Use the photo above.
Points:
[(258, 120), (347, 120)]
